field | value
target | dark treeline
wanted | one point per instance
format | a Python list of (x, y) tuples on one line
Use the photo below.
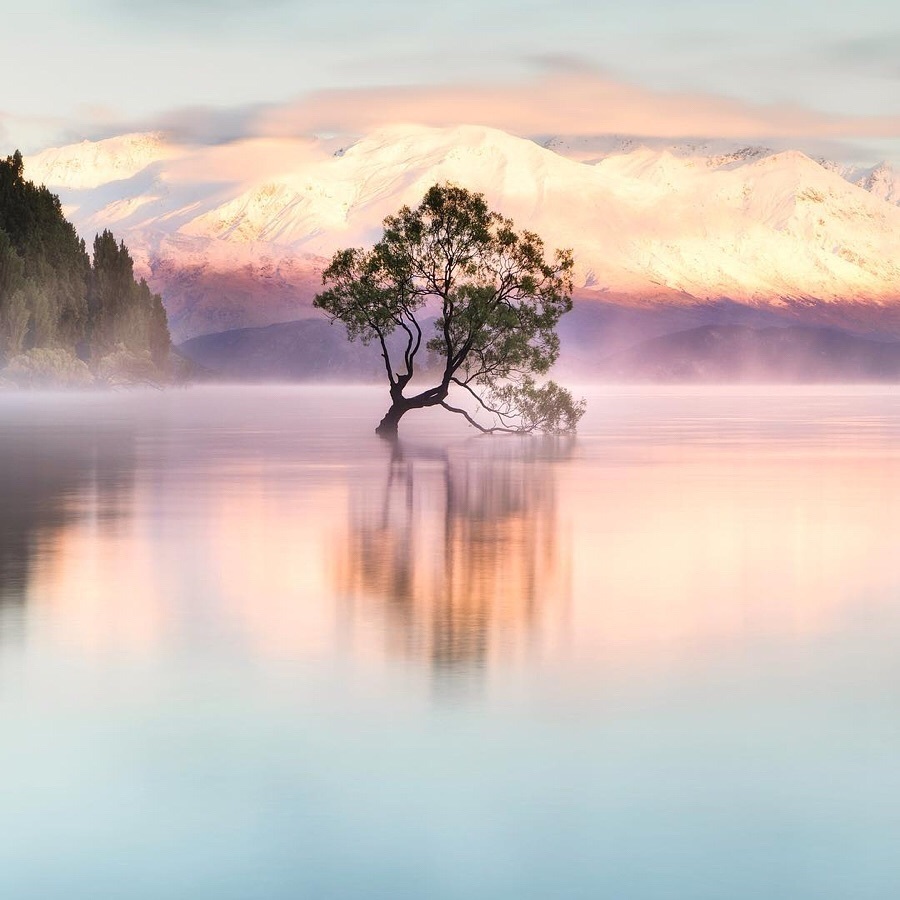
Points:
[(54, 296)]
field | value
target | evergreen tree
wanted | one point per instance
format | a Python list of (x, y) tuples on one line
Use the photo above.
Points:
[(14, 320), (112, 283), (124, 313), (12, 303), (12, 270), (51, 296), (159, 341)]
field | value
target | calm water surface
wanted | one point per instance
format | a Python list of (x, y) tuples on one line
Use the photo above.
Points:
[(247, 651)]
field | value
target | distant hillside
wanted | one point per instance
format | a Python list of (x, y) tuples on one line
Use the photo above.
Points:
[(314, 350), (308, 350), (740, 354)]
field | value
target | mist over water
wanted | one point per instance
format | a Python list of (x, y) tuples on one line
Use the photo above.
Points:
[(249, 650)]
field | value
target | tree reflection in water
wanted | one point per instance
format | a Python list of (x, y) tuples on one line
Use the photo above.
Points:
[(460, 555), (46, 482)]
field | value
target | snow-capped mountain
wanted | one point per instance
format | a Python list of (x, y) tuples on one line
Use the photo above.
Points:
[(880, 180), (236, 235), (593, 148), (93, 164)]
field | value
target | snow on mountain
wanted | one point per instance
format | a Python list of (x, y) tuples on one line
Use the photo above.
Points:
[(92, 164), (881, 180), (240, 225), (591, 149)]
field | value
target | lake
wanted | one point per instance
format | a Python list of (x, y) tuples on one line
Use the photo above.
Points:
[(247, 650)]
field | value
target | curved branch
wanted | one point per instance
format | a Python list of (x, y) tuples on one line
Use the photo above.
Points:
[(497, 429), (500, 415)]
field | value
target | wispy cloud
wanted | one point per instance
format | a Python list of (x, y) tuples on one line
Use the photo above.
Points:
[(566, 98), (563, 102)]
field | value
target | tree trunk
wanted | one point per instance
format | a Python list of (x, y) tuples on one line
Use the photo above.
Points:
[(387, 428)]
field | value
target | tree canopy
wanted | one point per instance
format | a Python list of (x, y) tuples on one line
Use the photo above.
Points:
[(454, 282)]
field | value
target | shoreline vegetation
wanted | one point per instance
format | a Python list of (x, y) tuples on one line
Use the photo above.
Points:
[(67, 318)]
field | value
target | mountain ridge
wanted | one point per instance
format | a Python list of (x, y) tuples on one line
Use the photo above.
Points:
[(248, 226)]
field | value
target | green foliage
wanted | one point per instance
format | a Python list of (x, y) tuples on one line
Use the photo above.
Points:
[(12, 268), (159, 341), (547, 407), (497, 300), (12, 301), (124, 313), (50, 250), (42, 313), (15, 317), (52, 296)]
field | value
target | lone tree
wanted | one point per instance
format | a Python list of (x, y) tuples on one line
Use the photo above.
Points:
[(487, 294)]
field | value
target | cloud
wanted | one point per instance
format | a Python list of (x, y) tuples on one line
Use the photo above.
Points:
[(574, 102), (210, 125), (564, 100)]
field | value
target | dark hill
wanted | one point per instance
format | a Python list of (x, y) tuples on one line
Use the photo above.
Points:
[(315, 350), (306, 350), (732, 353)]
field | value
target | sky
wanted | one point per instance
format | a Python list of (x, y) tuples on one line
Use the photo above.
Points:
[(89, 68)]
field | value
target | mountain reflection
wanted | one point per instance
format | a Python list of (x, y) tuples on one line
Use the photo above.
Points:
[(460, 557)]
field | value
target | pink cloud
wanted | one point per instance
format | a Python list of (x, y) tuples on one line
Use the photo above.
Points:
[(574, 102)]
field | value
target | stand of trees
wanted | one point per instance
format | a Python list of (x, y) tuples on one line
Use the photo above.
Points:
[(54, 296)]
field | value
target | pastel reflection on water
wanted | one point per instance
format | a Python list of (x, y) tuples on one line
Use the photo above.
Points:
[(247, 649), (460, 552)]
